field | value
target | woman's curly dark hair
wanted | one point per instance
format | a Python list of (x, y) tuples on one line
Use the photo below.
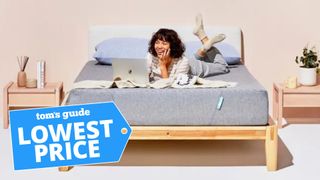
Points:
[(177, 47)]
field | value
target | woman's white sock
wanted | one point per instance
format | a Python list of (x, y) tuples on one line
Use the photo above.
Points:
[(198, 30), (218, 38)]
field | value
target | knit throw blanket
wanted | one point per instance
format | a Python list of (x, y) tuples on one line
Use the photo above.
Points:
[(181, 81)]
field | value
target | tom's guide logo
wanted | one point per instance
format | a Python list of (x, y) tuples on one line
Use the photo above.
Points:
[(68, 135)]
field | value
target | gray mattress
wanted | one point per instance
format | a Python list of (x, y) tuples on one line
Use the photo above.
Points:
[(245, 104)]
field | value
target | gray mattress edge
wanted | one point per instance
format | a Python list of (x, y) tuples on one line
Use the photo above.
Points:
[(246, 104)]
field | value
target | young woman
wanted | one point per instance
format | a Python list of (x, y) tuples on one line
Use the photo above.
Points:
[(166, 60)]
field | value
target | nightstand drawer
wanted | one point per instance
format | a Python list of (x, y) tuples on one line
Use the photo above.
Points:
[(32, 99), (301, 100)]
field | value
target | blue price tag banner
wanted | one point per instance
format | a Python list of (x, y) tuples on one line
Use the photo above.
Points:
[(68, 135)]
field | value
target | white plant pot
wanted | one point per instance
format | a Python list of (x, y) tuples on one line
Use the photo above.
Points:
[(308, 76)]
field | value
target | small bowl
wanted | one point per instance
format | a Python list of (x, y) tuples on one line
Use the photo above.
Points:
[(31, 83)]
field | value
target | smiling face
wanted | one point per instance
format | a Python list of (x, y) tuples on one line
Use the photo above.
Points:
[(166, 40), (161, 47)]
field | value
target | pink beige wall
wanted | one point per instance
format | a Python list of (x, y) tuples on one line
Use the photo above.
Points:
[(56, 31)]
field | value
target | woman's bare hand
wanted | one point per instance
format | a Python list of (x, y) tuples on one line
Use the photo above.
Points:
[(164, 63), (165, 59)]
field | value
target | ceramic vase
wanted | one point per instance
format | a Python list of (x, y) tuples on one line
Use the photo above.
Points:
[(22, 79)]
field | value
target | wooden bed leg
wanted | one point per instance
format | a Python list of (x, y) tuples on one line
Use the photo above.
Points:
[(271, 147), (65, 168)]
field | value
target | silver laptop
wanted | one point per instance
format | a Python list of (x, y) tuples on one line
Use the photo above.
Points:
[(130, 69)]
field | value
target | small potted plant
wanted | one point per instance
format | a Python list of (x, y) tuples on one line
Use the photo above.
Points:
[(308, 66)]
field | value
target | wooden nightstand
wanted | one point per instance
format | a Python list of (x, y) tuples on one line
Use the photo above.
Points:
[(15, 97), (302, 96)]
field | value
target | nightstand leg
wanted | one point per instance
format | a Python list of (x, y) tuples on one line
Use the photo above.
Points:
[(277, 105), (280, 108), (65, 168), (5, 106), (5, 117), (271, 148)]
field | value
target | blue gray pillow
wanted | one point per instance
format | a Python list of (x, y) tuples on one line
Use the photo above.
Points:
[(137, 48), (120, 48)]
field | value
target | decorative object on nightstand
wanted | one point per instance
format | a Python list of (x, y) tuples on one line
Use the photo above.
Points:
[(15, 97), (41, 73), (22, 76), (308, 66), (31, 83), (291, 82)]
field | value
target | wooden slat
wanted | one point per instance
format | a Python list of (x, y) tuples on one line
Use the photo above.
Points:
[(198, 132)]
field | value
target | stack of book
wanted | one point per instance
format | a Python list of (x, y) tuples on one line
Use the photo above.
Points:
[(41, 71)]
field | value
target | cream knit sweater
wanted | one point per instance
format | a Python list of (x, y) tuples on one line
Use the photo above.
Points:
[(179, 66)]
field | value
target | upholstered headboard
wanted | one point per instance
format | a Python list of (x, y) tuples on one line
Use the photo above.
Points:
[(98, 34)]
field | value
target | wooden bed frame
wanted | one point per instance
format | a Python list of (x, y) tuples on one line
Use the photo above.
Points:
[(268, 133)]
